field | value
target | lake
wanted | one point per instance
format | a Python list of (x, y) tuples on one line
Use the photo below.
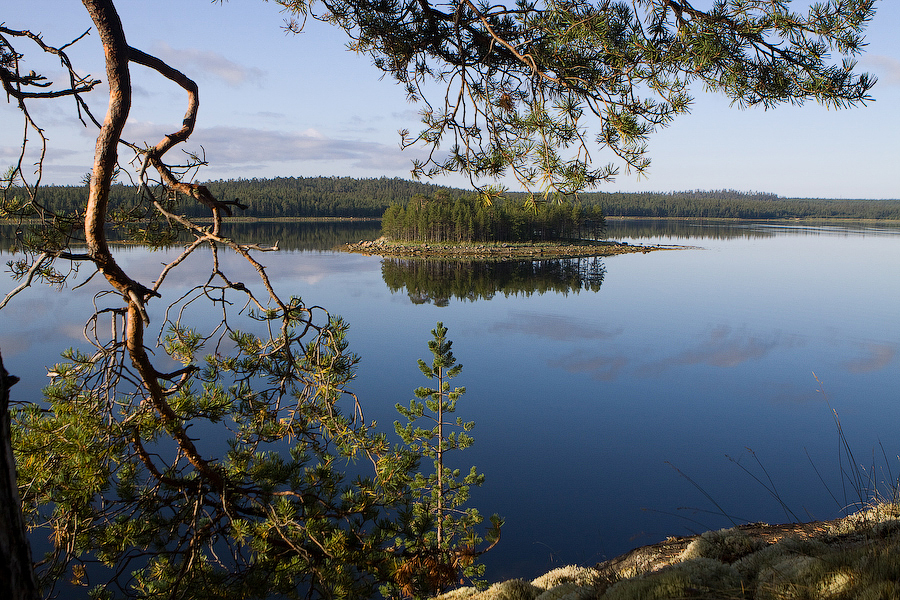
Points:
[(617, 401)]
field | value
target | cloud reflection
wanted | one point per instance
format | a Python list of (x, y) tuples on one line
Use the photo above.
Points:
[(32, 321), (726, 348), (146, 265), (553, 327), (877, 357), (601, 368)]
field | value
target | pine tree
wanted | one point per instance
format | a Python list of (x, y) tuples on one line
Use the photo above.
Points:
[(442, 534)]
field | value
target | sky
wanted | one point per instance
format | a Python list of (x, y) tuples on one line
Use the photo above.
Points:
[(274, 104)]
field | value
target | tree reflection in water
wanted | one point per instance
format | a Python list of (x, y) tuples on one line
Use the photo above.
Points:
[(438, 281)]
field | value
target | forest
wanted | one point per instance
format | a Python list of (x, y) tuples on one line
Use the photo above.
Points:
[(442, 219), (281, 197), (318, 197), (732, 204)]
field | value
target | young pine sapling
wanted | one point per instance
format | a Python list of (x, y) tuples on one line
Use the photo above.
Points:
[(442, 542)]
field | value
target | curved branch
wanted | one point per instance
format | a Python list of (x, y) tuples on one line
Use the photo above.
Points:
[(117, 52), (112, 36), (35, 267), (155, 154)]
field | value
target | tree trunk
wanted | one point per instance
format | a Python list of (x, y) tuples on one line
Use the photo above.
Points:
[(17, 580)]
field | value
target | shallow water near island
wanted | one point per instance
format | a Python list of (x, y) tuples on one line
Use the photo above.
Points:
[(617, 401)]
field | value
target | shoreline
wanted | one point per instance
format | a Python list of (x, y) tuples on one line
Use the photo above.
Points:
[(839, 559), (500, 250)]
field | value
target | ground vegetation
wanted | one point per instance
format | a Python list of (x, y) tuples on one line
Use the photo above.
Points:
[(843, 559)]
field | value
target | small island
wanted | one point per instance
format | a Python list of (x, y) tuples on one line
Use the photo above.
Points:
[(464, 228)]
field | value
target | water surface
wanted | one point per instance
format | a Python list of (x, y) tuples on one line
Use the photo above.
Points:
[(616, 409)]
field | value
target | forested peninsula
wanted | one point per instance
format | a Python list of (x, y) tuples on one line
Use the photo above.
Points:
[(347, 197)]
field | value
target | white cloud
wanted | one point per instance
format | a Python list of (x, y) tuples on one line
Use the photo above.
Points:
[(408, 115), (886, 68), (145, 132), (10, 152), (268, 114), (258, 152), (313, 133), (229, 146), (197, 63)]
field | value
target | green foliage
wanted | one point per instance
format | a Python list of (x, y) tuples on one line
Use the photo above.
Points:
[(125, 495), (306, 498), (533, 89), (239, 474), (321, 197), (440, 219), (731, 204), (442, 542)]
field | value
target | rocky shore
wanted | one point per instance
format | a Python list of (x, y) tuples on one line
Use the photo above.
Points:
[(498, 251), (856, 557)]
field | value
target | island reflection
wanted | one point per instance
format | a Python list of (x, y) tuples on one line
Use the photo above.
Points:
[(432, 281)]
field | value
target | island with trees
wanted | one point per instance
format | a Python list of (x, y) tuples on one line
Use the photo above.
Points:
[(465, 227)]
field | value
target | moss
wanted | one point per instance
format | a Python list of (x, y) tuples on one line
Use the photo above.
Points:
[(868, 519), (695, 578), (794, 577), (458, 594), (874, 571), (570, 574), (886, 529), (514, 589), (750, 566), (725, 545), (634, 568), (858, 562), (568, 591), (811, 570)]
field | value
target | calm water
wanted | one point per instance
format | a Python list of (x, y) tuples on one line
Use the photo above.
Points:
[(600, 387)]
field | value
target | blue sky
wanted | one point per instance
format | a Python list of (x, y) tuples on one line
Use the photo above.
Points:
[(274, 104)]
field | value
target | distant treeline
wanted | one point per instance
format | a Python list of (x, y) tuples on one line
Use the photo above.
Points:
[(731, 204), (269, 198), (443, 219), (349, 197)]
